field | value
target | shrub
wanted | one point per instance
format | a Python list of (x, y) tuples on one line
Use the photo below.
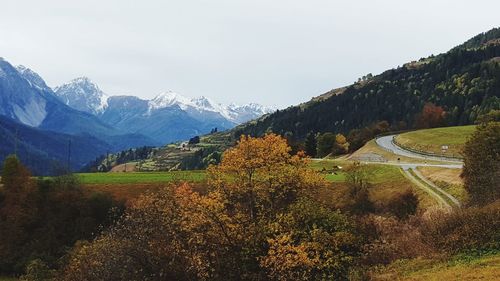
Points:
[(37, 270), (482, 164), (472, 229), (392, 240), (403, 204)]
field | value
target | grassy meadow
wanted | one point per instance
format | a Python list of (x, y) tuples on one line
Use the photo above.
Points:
[(141, 177), (386, 181)]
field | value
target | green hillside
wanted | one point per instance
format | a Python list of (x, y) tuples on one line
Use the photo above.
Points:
[(464, 82)]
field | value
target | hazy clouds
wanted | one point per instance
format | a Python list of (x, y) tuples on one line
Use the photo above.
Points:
[(272, 52)]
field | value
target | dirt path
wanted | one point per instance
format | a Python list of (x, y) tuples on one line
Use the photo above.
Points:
[(438, 189), (439, 198)]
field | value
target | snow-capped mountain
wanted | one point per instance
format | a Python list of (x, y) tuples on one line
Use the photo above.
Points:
[(233, 113), (26, 99), (80, 111), (243, 113), (33, 78), (84, 95), (167, 117), (21, 99)]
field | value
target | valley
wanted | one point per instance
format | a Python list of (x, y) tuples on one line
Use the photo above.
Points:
[(388, 175), (394, 177)]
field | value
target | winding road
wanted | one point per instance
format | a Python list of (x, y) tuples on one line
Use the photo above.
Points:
[(411, 172), (387, 143)]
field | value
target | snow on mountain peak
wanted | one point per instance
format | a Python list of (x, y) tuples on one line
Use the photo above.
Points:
[(234, 113), (32, 77), (168, 99), (83, 94)]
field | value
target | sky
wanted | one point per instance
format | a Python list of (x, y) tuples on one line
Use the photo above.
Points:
[(273, 52)]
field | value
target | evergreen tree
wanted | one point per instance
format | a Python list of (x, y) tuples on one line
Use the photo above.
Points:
[(482, 164), (325, 144), (311, 144), (14, 174)]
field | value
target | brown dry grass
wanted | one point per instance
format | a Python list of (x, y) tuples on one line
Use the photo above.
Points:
[(128, 167), (442, 174)]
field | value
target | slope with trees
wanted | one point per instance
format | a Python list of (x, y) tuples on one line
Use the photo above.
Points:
[(461, 85)]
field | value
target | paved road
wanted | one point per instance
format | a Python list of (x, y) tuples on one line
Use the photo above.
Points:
[(406, 166), (415, 176), (387, 143)]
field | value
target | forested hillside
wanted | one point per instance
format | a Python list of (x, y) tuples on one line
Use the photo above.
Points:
[(464, 82), (46, 152)]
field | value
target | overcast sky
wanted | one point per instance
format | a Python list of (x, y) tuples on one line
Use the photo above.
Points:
[(274, 52)]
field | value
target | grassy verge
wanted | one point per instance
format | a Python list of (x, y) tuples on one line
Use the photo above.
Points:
[(372, 147), (447, 179), (431, 140)]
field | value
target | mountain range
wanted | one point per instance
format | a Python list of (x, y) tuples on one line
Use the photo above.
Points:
[(165, 118), (79, 111)]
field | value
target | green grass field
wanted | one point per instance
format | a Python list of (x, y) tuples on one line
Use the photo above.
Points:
[(141, 177), (431, 140), (190, 176), (326, 167), (387, 180)]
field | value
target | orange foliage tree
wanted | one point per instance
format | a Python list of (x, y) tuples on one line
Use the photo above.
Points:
[(260, 177), (431, 116)]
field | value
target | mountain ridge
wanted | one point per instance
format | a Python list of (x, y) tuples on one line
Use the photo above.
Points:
[(464, 81), (165, 118)]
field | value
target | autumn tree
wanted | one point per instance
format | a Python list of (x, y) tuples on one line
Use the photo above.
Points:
[(257, 210), (258, 180), (482, 164), (431, 116), (357, 197), (15, 176), (259, 176), (341, 146), (147, 243), (311, 242), (17, 212)]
